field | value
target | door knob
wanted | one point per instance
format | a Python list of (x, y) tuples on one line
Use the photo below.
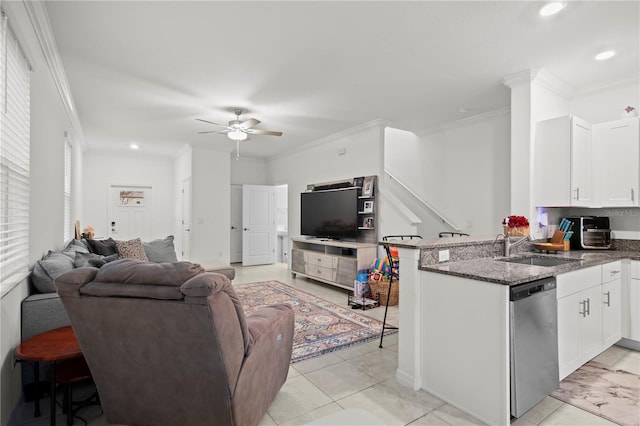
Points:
[(246, 229), (233, 227)]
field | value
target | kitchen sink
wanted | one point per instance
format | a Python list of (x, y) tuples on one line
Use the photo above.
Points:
[(539, 261)]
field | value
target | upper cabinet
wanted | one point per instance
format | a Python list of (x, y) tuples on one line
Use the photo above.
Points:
[(563, 175), (583, 165), (616, 148)]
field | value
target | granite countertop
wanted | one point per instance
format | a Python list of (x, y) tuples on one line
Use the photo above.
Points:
[(496, 271), (442, 242)]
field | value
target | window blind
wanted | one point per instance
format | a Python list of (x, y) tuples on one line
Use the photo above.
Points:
[(14, 155), (67, 190)]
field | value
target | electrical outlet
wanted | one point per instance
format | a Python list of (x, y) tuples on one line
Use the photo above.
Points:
[(443, 255)]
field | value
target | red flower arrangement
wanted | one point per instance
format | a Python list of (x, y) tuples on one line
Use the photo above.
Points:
[(515, 222)]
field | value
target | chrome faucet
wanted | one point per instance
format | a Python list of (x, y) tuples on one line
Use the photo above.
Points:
[(508, 244)]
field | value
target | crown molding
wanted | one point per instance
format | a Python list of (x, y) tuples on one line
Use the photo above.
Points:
[(540, 77), (42, 28), (608, 85), (464, 121), (379, 123)]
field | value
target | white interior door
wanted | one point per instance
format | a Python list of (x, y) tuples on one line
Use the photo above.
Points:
[(186, 219), (236, 224), (130, 212), (258, 225)]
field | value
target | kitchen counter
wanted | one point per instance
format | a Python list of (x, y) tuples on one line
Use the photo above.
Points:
[(496, 271), (454, 317)]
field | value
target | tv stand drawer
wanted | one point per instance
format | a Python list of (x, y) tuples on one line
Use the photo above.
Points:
[(321, 272), (317, 259)]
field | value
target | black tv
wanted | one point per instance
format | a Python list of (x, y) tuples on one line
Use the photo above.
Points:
[(330, 214)]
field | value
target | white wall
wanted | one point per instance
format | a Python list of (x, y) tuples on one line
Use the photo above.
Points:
[(210, 212), (250, 171), (49, 122), (461, 170), (135, 168), (606, 103)]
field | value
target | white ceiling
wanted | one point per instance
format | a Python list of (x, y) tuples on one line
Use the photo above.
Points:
[(144, 71)]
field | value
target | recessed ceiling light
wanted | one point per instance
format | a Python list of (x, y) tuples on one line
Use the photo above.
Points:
[(552, 7), (134, 146), (604, 55)]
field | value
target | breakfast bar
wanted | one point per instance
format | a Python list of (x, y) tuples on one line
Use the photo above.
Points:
[(454, 339)]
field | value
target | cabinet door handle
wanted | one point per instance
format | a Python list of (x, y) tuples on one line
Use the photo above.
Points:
[(608, 301), (588, 307), (632, 195), (577, 191), (614, 272), (584, 308)]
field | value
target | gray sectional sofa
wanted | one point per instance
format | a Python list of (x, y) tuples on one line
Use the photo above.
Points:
[(42, 310)]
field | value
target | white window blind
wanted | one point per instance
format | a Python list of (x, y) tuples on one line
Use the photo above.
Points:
[(67, 190), (14, 155)]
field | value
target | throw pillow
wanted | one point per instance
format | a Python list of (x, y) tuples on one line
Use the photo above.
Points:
[(131, 249), (104, 247), (74, 247), (93, 260), (48, 269), (161, 250)]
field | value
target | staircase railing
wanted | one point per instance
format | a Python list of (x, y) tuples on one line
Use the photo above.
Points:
[(423, 202)]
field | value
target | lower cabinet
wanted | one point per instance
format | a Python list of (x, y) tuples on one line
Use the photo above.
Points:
[(589, 314), (332, 262), (631, 308)]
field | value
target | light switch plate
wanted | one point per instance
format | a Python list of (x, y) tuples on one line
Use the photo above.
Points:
[(443, 255)]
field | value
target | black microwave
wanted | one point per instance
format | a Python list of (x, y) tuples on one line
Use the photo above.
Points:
[(590, 232)]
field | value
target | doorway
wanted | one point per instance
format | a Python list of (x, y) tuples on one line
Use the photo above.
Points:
[(130, 212), (259, 222)]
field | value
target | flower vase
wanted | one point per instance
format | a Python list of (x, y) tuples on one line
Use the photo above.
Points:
[(520, 231)]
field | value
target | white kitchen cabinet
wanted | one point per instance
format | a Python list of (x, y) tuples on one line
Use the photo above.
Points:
[(579, 318), (616, 162), (611, 303), (562, 172), (589, 314), (631, 307)]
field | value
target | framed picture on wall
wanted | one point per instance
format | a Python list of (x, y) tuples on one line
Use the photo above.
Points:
[(367, 186), (368, 222)]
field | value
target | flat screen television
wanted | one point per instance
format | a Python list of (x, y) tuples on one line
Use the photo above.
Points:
[(330, 214)]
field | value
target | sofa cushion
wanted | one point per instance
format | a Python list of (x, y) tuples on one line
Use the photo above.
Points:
[(161, 250), (83, 260), (48, 269), (74, 247), (104, 247), (131, 249), (130, 271)]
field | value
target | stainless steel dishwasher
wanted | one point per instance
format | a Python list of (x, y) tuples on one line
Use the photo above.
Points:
[(533, 316)]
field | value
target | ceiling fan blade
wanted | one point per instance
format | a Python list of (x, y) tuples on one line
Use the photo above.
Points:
[(263, 132), (247, 124), (211, 122)]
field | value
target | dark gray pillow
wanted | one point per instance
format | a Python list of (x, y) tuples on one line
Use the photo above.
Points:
[(48, 269), (104, 247), (91, 259), (161, 250), (74, 247)]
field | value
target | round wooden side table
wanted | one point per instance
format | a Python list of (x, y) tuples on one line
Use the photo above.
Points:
[(51, 346)]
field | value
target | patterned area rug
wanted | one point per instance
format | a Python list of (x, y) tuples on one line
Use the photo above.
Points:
[(320, 326), (611, 394)]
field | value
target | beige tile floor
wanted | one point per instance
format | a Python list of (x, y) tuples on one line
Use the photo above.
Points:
[(363, 377)]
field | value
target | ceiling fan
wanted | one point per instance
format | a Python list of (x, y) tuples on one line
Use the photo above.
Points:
[(238, 130)]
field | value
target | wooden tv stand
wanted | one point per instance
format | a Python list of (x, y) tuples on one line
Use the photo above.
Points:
[(330, 261)]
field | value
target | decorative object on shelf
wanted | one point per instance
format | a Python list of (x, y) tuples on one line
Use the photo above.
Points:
[(367, 223), (367, 186), (629, 112), (516, 226), (367, 207), (357, 182)]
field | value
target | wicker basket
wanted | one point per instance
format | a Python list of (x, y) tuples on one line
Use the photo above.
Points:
[(380, 289)]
